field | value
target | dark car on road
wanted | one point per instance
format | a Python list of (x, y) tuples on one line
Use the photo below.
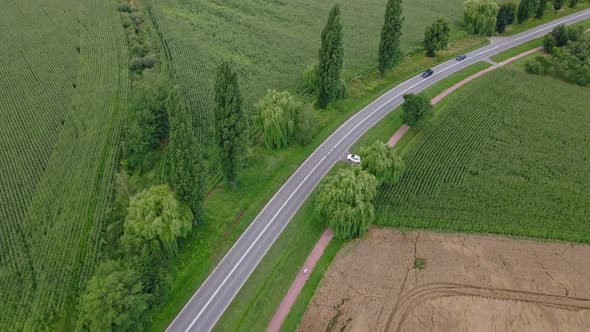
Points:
[(427, 73), (461, 57)]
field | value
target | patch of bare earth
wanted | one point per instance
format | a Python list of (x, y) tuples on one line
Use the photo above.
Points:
[(468, 283)]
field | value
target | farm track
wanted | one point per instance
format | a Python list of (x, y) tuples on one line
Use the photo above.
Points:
[(430, 291)]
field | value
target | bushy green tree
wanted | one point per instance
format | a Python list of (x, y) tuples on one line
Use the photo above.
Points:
[(307, 125), (417, 110), (230, 121), (188, 169), (389, 46), (561, 35), (505, 16), (570, 62), (479, 17), (155, 222), (331, 59), (383, 162), (277, 116), (541, 9), (114, 299), (437, 37), (345, 201), (148, 120), (557, 4)]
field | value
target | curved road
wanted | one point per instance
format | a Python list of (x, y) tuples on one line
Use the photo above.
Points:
[(210, 301)]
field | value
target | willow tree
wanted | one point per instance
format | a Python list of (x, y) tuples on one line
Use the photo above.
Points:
[(277, 114), (155, 221), (479, 17), (345, 201), (383, 162), (114, 299), (389, 46), (331, 59)]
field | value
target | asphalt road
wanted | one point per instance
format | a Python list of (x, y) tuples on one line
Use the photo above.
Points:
[(210, 301)]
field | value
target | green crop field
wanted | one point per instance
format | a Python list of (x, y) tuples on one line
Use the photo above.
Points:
[(62, 90), (508, 155)]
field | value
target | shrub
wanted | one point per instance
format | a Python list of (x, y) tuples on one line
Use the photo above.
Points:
[(310, 77), (124, 7), (307, 126)]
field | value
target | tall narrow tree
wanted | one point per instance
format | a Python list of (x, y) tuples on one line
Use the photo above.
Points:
[(188, 172), (541, 9), (389, 47), (505, 16), (557, 4), (230, 122), (331, 59)]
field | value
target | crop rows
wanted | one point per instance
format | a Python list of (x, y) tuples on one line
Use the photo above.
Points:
[(59, 190), (509, 155)]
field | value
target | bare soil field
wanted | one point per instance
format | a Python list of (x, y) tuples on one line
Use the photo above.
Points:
[(416, 281)]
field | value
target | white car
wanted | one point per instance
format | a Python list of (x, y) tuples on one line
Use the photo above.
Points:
[(353, 158)]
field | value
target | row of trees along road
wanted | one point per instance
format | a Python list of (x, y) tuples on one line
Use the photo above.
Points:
[(483, 17)]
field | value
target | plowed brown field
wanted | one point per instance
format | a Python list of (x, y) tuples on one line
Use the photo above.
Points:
[(469, 283)]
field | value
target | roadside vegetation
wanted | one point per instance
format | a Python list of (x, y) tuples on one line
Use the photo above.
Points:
[(568, 56)]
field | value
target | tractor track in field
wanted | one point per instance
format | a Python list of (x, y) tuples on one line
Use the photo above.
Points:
[(434, 290)]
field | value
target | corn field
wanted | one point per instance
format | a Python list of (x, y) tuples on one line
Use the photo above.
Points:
[(508, 155), (63, 89)]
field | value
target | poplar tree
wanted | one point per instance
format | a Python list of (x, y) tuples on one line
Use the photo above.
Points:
[(188, 171), (557, 4), (541, 9), (505, 16), (331, 59), (230, 121), (389, 47)]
